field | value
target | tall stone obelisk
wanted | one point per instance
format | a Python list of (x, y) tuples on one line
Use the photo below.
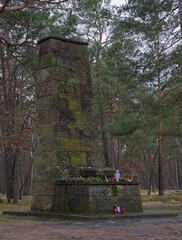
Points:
[(64, 132)]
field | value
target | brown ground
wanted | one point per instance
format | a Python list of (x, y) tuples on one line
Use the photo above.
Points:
[(29, 228)]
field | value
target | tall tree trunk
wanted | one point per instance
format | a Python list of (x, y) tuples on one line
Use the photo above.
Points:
[(152, 173), (108, 162), (160, 91), (8, 124), (179, 165), (144, 174), (179, 181), (180, 13), (160, 167)]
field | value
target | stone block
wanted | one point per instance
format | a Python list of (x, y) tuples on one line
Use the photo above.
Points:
[(78, 159), (95, 198)]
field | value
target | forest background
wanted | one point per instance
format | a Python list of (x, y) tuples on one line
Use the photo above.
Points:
[(135, 60)]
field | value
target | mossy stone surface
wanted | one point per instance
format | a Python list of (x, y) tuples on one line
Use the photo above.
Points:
[(63, 136), (96, 198)]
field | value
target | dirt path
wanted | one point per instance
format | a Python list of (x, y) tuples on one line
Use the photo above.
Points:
[(36, 229), (29, 228)]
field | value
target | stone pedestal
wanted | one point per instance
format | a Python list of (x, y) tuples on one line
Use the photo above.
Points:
[(96, 198)]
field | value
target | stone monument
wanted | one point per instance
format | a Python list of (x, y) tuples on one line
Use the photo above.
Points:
[(64, 138), (64, 132)]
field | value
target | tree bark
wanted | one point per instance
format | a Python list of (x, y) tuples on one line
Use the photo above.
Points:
[(152, 174), (160, 167), (180, 13), (103, 131), (178, 165), (10, 156)]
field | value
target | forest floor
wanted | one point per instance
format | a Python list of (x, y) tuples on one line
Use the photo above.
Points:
[(32, 228)]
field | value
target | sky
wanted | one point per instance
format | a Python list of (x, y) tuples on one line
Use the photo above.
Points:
[(118, 2)]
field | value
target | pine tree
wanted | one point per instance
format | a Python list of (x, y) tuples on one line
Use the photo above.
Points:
[(155, 65)]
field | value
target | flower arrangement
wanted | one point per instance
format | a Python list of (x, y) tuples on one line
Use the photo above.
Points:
[(98, 176), (97, 179)]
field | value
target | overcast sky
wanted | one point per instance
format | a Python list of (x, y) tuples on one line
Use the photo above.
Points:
[(118, 2)]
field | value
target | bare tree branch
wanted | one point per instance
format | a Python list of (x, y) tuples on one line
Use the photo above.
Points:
[(5, 6), (4, 40), (27, 3)]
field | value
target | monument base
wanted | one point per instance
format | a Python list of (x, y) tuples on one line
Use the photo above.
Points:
[(96, 198)]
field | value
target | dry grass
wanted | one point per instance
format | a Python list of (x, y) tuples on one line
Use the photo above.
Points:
[(23, 203), (170, 202), (169, 195)]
